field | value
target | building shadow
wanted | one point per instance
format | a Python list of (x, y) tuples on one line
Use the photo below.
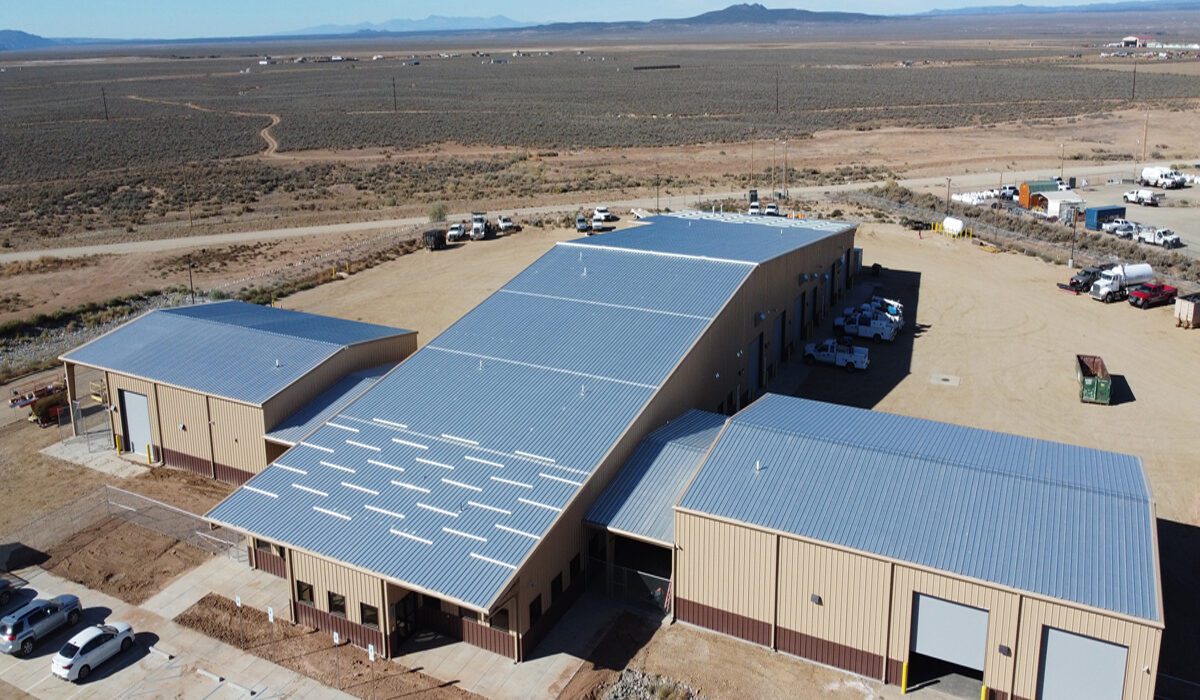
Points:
[(1179, 554), (15, 556), (891, 362)]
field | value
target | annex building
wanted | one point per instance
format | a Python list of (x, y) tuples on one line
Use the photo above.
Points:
[(223, 389), (452, 494)]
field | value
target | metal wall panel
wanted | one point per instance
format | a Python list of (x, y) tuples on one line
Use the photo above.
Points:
[(1075, 666), (1142, 641), (1002, 607), (950, 631), (326, 577), (237, 431), (847, 628), (725, 567), (186, 440)]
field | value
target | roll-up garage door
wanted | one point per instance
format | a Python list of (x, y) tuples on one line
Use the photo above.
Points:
[(135, 416), (1074, 666), (950, 632)]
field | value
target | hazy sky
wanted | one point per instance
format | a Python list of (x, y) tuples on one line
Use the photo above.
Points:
[(170, 19)]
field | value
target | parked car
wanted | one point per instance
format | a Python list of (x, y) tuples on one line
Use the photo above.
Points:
[(1082, 281), (772, 209), (1009, 192), (581, 225), (599, 223), (457, 232), (7, 588), (754, 209), (831, 352), (1125, 230), (90, 648), (505, 224), (875, 326), (603, 214), (1114, 224), (1152, 294), (1146, 198), (21, 629)]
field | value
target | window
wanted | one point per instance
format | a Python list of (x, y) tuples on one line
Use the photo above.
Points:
[(535, 610), (304, 593), (576, 571), (279, 551), (337, 604), (368, 615), (555, 589), (262, 545), (432, 603), (468, 614), (499, 619)]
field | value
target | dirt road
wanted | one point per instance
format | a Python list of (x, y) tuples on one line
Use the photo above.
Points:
[(958, 182)]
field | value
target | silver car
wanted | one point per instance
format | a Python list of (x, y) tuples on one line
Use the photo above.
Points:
[(89, 648), (21, 629)]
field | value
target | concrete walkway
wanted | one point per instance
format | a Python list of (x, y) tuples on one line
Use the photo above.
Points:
[(224, 576), (555, 661), (104, 459), (168, 660)]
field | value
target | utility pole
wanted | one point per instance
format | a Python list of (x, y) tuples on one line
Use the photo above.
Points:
[(1133, 90), (785, 170), (777, 89), (104, 99), (1074, 225), (395, 106), (774, 158), (1062, 159), (1145, 136), (947, 196), (657, 206), (190, 285)]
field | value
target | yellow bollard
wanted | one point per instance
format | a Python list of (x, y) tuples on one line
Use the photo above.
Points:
[(983, 693), (904, 679), (149, 460)]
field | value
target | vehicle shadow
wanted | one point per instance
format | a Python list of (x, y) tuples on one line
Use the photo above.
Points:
[(890, 362), (1119, 390), (49, 646), (1178, 672), (142, 641)]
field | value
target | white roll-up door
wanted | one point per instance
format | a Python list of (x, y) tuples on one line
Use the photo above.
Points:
[(1075, 666), (135, 416), (949, 631)]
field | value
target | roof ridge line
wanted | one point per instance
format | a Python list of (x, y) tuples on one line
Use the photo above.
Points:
[(682, 256), (254, 329), (940, 460)]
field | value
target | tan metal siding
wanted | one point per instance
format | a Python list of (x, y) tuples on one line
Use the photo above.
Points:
[(185, 432), (724, 566), (1142, 641), (1002, 607), (854, 597), (237, 431), (351, 359), (325, 577), (120, 382)]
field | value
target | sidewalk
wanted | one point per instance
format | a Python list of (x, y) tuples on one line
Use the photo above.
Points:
[(167, 661), (224, 576), (106, 460)]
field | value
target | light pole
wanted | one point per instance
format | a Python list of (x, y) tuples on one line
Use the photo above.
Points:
[(947, 196), (1074, 225), (190, 285)]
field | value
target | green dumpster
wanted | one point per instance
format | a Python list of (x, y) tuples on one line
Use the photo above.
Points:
[(1095, 384)]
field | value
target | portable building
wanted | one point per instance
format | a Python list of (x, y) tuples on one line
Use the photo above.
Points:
[(1028, 189), (222, 389), (1095, 217)]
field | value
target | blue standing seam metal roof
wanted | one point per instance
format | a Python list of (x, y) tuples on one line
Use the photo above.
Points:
[(752, 239), (447, 473), (326, 405), (640, 501), (1070, 523), (231, 349)]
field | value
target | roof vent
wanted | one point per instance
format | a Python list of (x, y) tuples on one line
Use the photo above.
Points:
[(481, 365), (278, 363), (585, 272), (757, 465)]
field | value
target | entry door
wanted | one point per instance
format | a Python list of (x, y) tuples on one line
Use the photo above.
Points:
[(949, 631), (135, 419), (1074, 666)]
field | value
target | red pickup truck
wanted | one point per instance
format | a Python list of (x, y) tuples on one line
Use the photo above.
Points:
[(1147, 295)]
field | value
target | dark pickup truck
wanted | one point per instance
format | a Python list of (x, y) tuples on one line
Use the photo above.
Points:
[(1147, 295), (1082, 281)]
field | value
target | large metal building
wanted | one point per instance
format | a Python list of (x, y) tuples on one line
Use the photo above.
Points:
[(452, 494), (898, 548), (223, 389)]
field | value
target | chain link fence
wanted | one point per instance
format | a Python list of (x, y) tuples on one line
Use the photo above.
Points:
[(109, 502), (634, 587)]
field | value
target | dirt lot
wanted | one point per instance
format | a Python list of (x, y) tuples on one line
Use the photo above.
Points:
[(123, 560), (311, 653)]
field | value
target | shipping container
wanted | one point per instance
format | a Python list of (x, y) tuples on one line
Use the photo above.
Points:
[(1095, 217), (1186, 315)]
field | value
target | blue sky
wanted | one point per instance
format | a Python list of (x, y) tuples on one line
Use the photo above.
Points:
[(171, 19)]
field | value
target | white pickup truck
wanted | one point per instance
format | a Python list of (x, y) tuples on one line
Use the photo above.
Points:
[(1164, 237), (831, 352), (876, 326), (1146, 198)]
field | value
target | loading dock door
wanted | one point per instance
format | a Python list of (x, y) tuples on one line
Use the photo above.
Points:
[(949, 631), (1074, 666), (135, 419)]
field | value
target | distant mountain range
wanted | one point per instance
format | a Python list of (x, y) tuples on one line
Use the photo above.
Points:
[(431, 24), (734, 15)]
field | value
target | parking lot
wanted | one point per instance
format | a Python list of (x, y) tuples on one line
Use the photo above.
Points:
[(1171, 213), (167, 660)]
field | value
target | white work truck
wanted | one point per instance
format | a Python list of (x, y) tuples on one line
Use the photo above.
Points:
[(831, 352), (1166, 178), (866, 324)]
